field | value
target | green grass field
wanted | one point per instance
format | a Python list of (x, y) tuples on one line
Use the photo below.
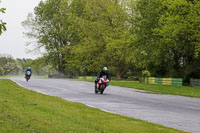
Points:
[(161, 89), (5, 76), (23, 111), (188, 91), (40, 77)]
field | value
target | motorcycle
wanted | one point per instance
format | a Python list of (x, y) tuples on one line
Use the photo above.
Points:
[(101, 85), (28, 75)]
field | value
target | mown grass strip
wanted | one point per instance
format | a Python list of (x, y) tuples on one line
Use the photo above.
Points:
[(40, 77), (23, 111), (5, 76), (188, 91), (161, 89)]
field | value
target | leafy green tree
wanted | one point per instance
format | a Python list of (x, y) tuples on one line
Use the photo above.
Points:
[(166, 36), (179, 34), (46, 25), (102, 36), (9, 65), (38, 66), (144, 16), (21, 64), (2, 24)]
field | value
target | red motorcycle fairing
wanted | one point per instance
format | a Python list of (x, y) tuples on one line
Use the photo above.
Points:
[(102, 84)]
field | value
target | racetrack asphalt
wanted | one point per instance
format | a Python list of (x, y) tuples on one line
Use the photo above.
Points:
[(172, 111)]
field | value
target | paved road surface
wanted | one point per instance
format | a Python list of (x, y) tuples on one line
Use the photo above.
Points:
[(172, 111)]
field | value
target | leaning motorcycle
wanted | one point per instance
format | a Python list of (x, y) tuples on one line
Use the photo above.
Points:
[(102, 84), (28, 75)]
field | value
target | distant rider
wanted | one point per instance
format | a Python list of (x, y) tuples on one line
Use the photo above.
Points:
[(102, 73), (28, 69)]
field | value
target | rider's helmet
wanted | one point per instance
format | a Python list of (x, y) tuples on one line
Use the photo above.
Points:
[(105, 69), (29, 67)]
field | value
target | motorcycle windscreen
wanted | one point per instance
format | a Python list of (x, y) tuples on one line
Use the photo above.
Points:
[(28, 73), (104, 77)]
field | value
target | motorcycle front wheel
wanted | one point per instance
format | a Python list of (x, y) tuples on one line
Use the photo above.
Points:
[(103, 88), (27, 78), (95, 90)]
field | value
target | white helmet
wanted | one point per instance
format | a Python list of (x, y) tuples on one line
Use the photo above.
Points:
[(29, 67), (105, 69)]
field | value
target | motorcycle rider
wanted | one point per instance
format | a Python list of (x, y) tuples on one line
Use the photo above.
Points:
[(28, 69), (102, 73)]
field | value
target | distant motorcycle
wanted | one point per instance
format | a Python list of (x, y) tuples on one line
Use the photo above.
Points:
[(102, 84), (28, 75)]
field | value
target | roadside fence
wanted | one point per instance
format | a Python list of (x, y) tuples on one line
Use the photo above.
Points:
[(164, 81), (87, 77), (195, 82)]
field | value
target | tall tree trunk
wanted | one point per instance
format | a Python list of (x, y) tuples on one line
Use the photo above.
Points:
[(119, 74)]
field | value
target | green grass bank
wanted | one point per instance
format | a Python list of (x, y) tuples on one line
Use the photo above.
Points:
[(161, 89), (188, 91), (5, 76), (23, 111)]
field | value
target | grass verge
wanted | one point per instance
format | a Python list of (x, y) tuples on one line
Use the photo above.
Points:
[(188, 91), (22, 110), (5, 76), (40, 77), (161, 89)]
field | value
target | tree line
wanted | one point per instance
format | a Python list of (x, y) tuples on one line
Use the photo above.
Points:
[(128, 36), (10, 66), (7, 65)]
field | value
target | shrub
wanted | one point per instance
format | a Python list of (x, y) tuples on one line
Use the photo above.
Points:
[(146, 74)]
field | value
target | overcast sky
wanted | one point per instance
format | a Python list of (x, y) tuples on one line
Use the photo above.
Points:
[(13, 41)]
